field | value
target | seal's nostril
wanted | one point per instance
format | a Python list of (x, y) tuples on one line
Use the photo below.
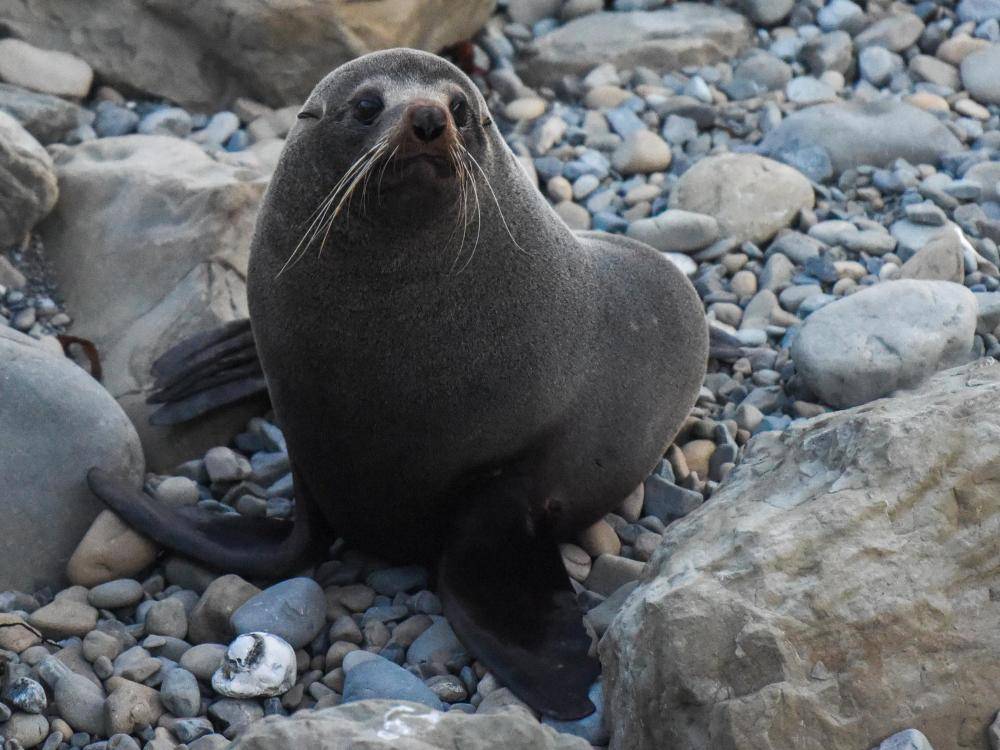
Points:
[(428, 122)]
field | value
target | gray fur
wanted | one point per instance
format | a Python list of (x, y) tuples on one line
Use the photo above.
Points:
[(571, 360)]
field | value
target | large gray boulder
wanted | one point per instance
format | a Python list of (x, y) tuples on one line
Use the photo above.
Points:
[(838, 588), (666, 39), (57, 423), (149, 243), (889, 336), (400, 725), (206, 52), (751, 197), (875, 133), (28, 188)]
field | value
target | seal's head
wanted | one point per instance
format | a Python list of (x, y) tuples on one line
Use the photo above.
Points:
[(405, 120)]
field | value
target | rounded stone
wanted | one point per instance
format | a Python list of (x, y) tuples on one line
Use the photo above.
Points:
[(600, 539), (750, 196), (27, 180), (642, 152), (202, 660), (27, 729), (294, 610), (123, 592), (676, 230), (885, 337), (256, 665), (180, 694), (980, 74), (65, 423)]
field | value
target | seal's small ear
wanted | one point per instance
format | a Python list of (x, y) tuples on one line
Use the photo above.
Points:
[(507, 595)]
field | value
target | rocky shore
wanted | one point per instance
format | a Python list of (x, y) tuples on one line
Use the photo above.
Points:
[(814, 563)]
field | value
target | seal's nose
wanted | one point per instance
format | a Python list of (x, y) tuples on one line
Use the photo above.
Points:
[(428, 121)]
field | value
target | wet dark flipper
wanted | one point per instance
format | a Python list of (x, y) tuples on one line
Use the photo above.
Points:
[(251, 547), (207, 372), (506, 593)]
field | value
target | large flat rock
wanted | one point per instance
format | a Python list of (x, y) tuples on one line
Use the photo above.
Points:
[(838, 588), (667, 39)]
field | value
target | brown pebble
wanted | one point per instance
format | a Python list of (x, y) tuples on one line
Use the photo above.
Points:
[(631, 506), (336, 653), (678, 462), (600, 539), (109, 550), (698, 453)]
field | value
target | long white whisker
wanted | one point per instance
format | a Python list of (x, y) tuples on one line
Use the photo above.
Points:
[(479, 226), (317, 223), (486, 179)]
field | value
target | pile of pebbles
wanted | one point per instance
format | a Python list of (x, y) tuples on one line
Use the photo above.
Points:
[(352, 627), (29, 302)]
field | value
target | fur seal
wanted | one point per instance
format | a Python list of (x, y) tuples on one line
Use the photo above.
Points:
[(460, 377)]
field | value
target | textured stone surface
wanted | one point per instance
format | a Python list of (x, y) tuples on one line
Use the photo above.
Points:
[(159, 209), (854, 134), (61, 422), (979, 74), (750, 196), (666, 39), (889, 336), (398, 725), (48, 118), (202, 53), (28, 188), (835, 589)]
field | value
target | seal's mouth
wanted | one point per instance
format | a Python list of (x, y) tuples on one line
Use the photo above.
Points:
[(426, 164)]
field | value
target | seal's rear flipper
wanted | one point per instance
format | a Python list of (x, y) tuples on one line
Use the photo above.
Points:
[(508, 597), (251, 547), (206, 372)]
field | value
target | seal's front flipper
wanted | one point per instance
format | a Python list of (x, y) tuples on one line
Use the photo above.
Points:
[(251, 547), (508, 597), (206, 372)]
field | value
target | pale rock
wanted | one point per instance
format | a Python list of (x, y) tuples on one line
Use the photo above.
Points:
[(751, 197), (853, 134), (47, 71), (161, 209), (889, 336), (27, 181), (204, 54), (130, 705), (110, 549), (401, 725), (979, 74), (256, 665), (942, 258), (676, 230), (837, 579), (642, 152), (687, 33), (65, 423)]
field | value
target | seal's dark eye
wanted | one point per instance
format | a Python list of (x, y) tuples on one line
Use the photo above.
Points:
[(367, 109), (305, 115), (460, 111)]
